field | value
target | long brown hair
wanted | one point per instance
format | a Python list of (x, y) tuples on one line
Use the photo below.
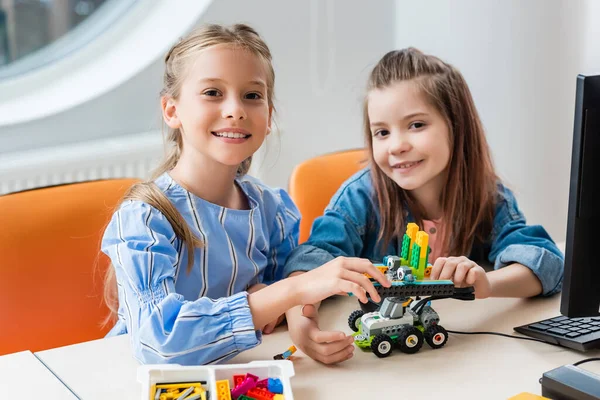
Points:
[(177, 61), (469, 196)]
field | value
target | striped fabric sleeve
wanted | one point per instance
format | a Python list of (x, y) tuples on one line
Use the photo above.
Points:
[(283, 237), (164, 327)]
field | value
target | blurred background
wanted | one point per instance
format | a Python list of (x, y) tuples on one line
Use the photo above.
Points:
[(79, 81)]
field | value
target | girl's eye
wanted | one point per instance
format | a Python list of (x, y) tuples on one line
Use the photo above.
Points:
[(254, 96), (417, 125), (211, 93), (381, 132)]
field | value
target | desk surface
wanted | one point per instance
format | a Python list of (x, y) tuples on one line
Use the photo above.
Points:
[(469, 366), (23, 376)]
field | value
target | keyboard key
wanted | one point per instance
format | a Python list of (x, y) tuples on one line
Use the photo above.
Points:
[(558, 331), (558, 319), (584, 331), (594, 328), (573, 334), (585, 326), (540, 327)]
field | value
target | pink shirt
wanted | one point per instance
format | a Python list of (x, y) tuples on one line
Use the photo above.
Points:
[(434, 230)]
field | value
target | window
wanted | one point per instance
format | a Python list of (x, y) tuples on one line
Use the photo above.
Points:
[(34, 33)]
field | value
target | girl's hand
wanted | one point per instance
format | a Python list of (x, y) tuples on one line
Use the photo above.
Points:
[(273, 324), (463, 272), (339, 276), (322, 346)]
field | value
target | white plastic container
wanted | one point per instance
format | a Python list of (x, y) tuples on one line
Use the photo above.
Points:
[(153, 374)]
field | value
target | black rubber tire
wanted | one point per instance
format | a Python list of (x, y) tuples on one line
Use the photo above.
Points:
[(354, 319), (382, 345), (406, 335), (436, 336)]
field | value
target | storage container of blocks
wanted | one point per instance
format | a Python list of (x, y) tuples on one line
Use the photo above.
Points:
[(171, 380)]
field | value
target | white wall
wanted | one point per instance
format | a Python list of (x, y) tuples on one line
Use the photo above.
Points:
[(591, 22), (317, 112), (520, 59)]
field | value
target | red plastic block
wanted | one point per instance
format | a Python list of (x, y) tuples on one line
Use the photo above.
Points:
[(237, 379), (260, 394), (264, 384)]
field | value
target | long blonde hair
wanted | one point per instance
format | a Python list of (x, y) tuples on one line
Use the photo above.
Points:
[(469, 195), (177, 62)]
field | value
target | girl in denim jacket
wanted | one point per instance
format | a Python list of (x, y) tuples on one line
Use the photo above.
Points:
[(430, 164)]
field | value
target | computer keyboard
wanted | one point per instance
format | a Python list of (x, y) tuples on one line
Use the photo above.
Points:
[(576, 333)]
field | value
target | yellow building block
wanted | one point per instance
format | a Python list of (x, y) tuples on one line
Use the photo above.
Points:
[(223, 391), (423, 241), (411, 231)]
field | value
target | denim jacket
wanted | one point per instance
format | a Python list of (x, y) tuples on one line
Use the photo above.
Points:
[(348, 229)]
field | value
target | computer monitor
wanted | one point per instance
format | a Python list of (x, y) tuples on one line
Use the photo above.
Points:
[(581, 285)]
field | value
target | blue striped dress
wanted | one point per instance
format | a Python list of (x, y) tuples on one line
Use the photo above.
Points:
[(202, 317)]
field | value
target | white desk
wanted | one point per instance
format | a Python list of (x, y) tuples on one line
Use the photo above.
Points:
[(469, 366), (23, 376)]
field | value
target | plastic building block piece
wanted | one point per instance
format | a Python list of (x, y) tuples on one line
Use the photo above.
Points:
[(244, 397), (180, 385), (237, 379), (275, 386), (185, 393), (250, 376), (198, 396), (417, 288), (286, 354), (414, 256), (249, 383), (405, 247), (260, 394), (279, 397), (382, 268), (176, 391), (263, 384), (223, 392), (411, 232), (422, 241)]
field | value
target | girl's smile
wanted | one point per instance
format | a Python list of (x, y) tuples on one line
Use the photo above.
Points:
[(406, 167), (232, 135)]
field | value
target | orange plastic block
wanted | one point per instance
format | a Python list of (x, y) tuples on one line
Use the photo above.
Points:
[(381, 268)]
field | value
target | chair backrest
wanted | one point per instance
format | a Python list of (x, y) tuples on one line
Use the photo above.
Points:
[(51, 269), (314, 182)]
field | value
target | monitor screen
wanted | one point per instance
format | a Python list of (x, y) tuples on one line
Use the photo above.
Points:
[(581, 285)]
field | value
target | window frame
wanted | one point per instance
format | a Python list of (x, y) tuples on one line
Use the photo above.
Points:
[(122, 49)]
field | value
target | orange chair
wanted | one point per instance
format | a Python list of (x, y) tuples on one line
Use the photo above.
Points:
[(314, 182), (50, 288)]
